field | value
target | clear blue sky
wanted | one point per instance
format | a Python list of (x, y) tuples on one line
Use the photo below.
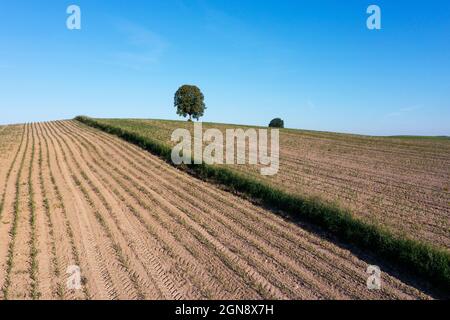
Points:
[(313, 63)]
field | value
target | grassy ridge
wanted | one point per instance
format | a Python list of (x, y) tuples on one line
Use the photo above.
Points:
[(419, 258)]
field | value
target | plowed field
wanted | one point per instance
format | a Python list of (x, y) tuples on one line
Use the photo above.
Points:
[(141, 229), (399, 183)]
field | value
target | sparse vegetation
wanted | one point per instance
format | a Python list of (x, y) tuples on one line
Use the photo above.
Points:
[(13, 230), (140, 228), (381, 180), (423, 259), (33, 241)]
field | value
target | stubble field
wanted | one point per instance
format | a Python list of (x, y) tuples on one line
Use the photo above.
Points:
[(141, 229)]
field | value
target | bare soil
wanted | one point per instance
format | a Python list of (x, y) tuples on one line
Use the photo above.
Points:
[(141, 229), (399, 183)]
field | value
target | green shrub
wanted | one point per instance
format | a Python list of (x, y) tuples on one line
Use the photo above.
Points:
[(276, 123)]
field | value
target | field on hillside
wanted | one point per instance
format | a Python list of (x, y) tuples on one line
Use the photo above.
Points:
[(398, 183), (140, 229)]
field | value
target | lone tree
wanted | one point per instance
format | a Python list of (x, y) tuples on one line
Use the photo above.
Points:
[(276, 123), (189, 101)]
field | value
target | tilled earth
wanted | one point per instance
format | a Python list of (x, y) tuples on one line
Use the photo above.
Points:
[(140, 229), (399, 183)]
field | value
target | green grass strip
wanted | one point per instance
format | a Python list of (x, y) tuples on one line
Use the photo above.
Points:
[(421, 259)]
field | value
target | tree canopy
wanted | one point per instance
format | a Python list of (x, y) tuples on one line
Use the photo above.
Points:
[(276, 123), (189, 101)]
